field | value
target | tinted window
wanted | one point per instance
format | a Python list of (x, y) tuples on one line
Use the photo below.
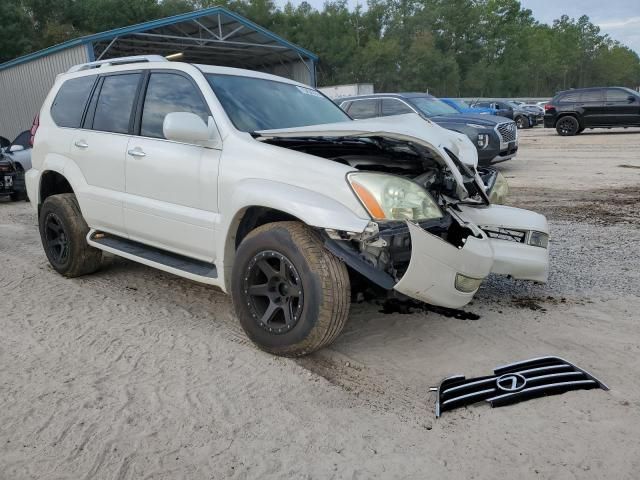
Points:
[(167, 93), (591, 96), (431, 106), (617, 95), (114, 105), (570, 97), (363, 109), (394, 107), (255, 104), (68, 107), (23, 139)]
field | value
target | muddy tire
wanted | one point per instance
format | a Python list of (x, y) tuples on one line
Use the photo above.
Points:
[(567, 126), (63, 232), (291, 295)]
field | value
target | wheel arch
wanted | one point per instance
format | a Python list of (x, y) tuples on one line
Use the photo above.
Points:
[(52, 182)]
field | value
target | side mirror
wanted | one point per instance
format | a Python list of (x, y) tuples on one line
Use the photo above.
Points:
[(16, 148), (187, 127), (631, 98)]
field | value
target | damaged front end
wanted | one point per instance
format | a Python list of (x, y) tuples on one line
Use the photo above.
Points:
[(432, 237)]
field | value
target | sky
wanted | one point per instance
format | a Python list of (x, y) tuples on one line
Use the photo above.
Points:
[(618, 18)]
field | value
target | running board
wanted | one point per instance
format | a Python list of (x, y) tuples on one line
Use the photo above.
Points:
[(186, 267)]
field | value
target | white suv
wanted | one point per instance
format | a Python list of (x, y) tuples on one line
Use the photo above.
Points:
[(263, 187)]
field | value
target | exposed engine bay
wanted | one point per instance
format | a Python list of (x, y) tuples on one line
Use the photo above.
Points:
[(388, 249)]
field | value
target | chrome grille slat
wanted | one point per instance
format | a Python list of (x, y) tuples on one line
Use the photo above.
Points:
[(507, 131), (515, 382)]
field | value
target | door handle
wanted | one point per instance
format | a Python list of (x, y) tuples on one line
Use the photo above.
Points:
[(136, 152), (81, 144)]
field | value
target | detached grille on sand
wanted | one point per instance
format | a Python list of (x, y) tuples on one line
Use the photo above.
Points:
[(507, 131), (514, 383)]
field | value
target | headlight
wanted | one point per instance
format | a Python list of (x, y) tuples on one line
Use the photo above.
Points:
[(467, 284), (483, 140), (538, 239), (500, 190), (387, 197)]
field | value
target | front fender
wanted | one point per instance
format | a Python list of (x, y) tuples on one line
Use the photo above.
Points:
[(313, 208)]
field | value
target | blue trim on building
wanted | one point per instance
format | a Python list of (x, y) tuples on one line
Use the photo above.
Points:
[(140, 27)]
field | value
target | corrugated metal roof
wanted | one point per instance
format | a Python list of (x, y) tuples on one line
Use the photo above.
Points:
[(260, 35)]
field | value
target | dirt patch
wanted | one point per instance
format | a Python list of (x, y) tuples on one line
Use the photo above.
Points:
[(602, 206)]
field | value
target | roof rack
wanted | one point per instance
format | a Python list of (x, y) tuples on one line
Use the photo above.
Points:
[(117, 61)]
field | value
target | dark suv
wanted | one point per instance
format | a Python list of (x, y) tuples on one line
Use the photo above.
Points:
[(495, 138), (572, 111)]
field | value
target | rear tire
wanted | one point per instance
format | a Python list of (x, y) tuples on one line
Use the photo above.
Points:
[(567, 126), (291, 295), (63, 232)]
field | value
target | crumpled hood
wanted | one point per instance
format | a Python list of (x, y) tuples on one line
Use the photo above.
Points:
[(410, 128)]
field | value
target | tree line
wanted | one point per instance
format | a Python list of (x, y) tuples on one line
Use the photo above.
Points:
[(448, 47)]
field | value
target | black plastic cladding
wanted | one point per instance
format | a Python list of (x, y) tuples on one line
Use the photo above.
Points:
[(514, 383)]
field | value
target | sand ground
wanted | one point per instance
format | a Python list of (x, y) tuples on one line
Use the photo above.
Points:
[(133, 373)]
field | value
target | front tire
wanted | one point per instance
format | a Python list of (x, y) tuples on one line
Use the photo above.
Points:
[(291, 295), (522, 122), (567, 126), (63, 232)]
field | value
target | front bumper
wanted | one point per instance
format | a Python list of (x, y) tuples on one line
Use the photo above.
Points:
[(434, 264), (6, 183), (516, 259)]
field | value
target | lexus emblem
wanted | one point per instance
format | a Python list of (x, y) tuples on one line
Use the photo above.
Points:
[(511, 382)]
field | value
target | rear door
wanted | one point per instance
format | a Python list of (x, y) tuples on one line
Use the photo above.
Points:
[(622, 107), (591, 105), (172, 191), (99, 148)]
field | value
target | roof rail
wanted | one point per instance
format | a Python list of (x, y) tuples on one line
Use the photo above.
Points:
[(117, 61)]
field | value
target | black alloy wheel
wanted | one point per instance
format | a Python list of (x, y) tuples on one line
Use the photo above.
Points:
[(567, 126), (274, 292), (57, 239)]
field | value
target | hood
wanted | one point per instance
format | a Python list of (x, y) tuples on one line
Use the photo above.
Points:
[(409, 128), (466, 118)]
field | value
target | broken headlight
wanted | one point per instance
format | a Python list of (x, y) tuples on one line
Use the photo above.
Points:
[(500, 189), (538, 239), (389, 197)]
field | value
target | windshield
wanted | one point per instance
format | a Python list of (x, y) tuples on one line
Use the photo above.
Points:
[(460, 103), (257, 104), (430, 107)]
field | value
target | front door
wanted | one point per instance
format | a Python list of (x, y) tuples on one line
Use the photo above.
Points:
[(171, 200), (622, 107)]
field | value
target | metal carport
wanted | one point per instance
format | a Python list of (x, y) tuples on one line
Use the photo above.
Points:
[(213, 36)]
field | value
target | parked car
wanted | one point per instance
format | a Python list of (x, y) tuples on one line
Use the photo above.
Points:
[(11, 181), (463, 107), (18, 155), (505, 108), (263, 187), (571, 111), (495, 138)]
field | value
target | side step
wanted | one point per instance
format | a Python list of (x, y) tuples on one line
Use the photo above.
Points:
[(190, 268)]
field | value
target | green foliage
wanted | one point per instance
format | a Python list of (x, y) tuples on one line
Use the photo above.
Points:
[(448, 47)]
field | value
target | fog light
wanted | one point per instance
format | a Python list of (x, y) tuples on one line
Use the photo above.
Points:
[(539, 239), (467, 284), (483, 140)]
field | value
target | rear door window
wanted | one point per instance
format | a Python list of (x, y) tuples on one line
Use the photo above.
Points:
[(591, 96), (364, 109), (115, 103), (68, 106), (167, 93), (392, 106), (572, 97)]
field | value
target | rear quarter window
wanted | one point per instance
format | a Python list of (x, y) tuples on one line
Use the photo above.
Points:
[(69, 104)]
